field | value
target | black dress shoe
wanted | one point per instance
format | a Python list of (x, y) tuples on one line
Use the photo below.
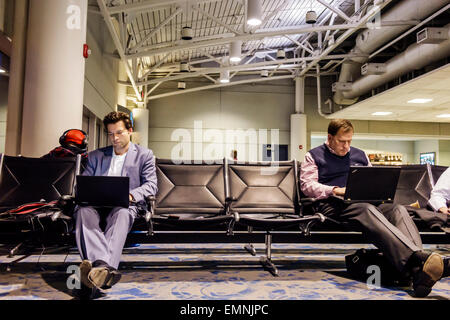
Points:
[(431, 272)]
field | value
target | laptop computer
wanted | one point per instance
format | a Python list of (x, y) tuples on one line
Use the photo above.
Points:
[(371, 184), (102, 191)]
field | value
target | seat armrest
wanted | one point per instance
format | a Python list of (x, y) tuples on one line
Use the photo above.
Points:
[(151, 201), (306, 203)]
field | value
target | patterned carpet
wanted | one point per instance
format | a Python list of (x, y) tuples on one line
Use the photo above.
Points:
[(207, 272)]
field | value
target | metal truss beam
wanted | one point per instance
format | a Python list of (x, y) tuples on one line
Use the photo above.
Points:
[(242, 67), (120, 49), (255, 36), (213, 86), (361, 24), (335, 10), (156, 29), (150, 5), (216, 20)]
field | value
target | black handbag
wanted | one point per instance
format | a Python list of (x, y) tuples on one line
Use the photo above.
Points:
[(361, 265)]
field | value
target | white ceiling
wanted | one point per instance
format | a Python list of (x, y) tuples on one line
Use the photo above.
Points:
[(434, 85)]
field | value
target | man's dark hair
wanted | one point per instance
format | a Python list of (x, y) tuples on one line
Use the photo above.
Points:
[(116, 116), (337, 124)]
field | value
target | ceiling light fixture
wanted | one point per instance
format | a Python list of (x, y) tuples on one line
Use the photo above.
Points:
[(311, 15), (181, 85), (420, 100), (187, 33), (444, 115), (254, 12), (281, 54), (235, 51), (382, 113), (184, 66)]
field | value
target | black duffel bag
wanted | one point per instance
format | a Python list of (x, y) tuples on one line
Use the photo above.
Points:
[(363, 264)]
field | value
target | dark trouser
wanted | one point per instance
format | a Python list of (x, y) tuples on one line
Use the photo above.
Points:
[(95, 244), (388, 226), (428, 217)]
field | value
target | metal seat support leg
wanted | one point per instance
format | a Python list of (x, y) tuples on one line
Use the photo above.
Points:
[(266, 260)]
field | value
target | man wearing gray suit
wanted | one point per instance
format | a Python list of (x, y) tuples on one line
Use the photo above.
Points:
[(101, 249)]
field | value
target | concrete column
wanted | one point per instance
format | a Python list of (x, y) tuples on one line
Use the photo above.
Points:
[(298, 141), (298, 136), (300, 95), (140, 135), (16, 80), (54, 76)]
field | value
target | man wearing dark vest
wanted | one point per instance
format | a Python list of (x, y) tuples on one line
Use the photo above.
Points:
[(389, 227)]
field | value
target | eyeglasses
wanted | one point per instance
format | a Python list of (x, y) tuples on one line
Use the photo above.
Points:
[(117, 133)]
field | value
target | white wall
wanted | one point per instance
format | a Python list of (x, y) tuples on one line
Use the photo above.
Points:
[(426, 146), (248, 108), (444, 153), (265, 106), (100, 86)]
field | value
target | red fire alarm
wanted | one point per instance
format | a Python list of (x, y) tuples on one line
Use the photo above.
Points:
[(300, 146), (86, 51)]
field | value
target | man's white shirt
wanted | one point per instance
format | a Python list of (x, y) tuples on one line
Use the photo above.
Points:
[(441, 191), (115, 168)]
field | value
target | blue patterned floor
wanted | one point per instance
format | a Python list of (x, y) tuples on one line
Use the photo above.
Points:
[(207, 272)]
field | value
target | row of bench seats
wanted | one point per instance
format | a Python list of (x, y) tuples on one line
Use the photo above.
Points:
[(261, 195), (221, 196)]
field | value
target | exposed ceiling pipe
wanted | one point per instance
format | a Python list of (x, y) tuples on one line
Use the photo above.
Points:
[(371, 39), (415, 57), (319, 95)]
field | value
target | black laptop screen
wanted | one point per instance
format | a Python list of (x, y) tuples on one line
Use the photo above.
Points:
[(372, 183), (103, 191)]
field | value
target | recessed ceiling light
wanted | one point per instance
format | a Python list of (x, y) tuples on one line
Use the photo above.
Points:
[(382, 113), (420, 100), (254, 22), (444, 115)]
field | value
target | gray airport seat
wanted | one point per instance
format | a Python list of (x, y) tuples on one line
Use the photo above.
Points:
[(190, 195), (264, 195)]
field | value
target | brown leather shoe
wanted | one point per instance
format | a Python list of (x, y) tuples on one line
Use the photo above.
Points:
[(98, 276), (113, 278), (85, 268), (431, 272)]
